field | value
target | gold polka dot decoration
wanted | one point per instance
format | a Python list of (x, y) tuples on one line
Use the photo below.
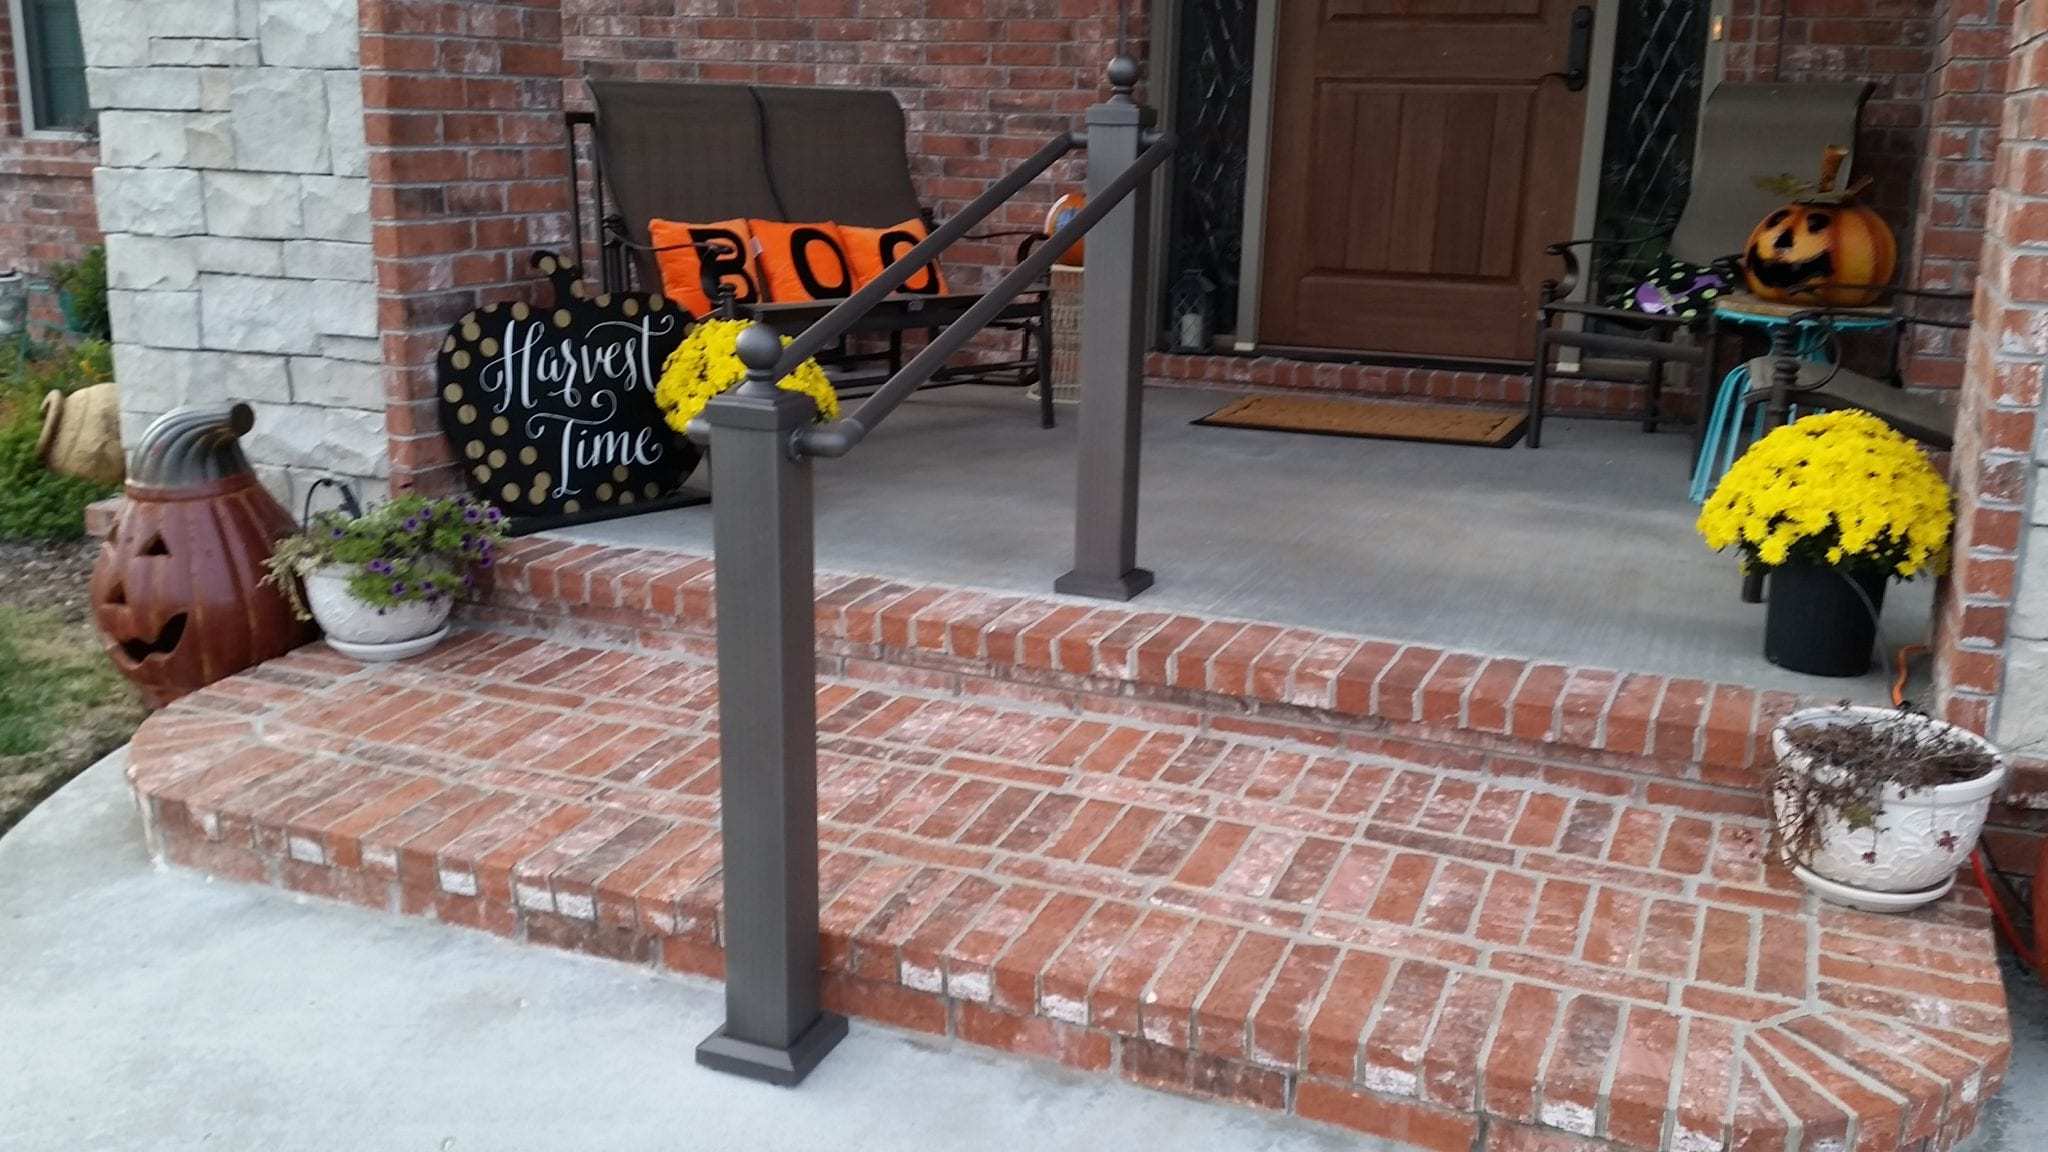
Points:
[(452, 393), (625, 497), (620, 473), (466, 413), (488, 348), (510, 492), (497, 458), (561, 317), (471, 332), (521, 311), (528, 454), (604, 300), (448, 345), (652, 490), (579, 290), (548, 264), (537, 496), (604, 491), (629, 306), (572, 507), (482, 474), (543, 478), (460, 359), (500, 425), (474, 450), (657, 303)]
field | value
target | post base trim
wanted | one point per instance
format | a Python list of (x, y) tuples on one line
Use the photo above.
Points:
[(1123, 587), (783, 1067)]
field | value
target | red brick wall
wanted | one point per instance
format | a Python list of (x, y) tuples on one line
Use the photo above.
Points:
[(1967, 92), (2001, 395), (983, 83), (1888, 42), (463, 107), (46, 209)]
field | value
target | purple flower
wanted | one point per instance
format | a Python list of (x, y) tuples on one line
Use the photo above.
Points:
[(398, 587), (492, 515), (484, 561), (335, 533), (470, 514), (412, 523), (380, 566)]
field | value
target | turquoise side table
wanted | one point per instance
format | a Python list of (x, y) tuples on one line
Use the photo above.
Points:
[(1724, 438)]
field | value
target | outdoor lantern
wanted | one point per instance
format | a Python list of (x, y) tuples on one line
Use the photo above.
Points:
[(1193, 313)]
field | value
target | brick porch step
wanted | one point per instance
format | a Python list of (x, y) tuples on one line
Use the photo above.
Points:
[(1454, 948)]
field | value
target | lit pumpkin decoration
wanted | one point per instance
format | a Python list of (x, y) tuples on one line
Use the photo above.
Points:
[(1823, 248), (178, 590)]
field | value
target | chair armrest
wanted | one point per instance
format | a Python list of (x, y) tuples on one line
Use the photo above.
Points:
[(1563, 250), (1618, 315)]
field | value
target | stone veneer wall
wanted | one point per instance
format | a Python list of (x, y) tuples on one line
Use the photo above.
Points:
[(234, 193)]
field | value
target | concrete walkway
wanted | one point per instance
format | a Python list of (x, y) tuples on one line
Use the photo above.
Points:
[(145, 1009)]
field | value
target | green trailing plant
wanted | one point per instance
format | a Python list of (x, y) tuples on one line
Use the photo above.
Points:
[(36, 503), (405, 551), (82, 285)]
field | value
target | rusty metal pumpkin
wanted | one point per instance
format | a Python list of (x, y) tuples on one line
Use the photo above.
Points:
[(177, 591), (1822, 248)]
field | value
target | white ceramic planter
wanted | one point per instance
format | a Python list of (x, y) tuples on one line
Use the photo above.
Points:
[(1919, 840), (366, 631)]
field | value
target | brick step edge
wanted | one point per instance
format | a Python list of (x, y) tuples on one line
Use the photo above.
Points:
[(1000, 1006), (1663, 727)]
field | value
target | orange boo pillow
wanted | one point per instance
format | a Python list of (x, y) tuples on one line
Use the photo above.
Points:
[(872, 250), (683, 268), (803, 261)]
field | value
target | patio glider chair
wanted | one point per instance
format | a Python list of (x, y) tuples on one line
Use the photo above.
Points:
[(1747, 133), (703, 152)]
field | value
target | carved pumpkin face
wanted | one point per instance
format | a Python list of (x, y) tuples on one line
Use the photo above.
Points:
[(177, 592), (1834, 252)]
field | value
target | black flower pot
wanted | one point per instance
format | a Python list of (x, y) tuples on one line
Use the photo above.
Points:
[(1822, 621)]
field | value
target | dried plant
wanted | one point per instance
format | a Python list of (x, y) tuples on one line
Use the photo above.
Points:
[(1849, 767)]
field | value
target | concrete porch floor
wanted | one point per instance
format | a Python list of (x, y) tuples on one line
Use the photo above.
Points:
[(1582, 552)]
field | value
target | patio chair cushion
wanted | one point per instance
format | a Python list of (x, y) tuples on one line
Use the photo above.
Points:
[(837, 154), (1823, 385), (682, 151), (803, 261), (685, 270), (873, 250)]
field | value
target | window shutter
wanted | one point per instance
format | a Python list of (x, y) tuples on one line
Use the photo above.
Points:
[(57, 64)]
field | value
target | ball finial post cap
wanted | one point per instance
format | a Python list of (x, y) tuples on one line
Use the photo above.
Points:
[(759, 347), (1123, 74)]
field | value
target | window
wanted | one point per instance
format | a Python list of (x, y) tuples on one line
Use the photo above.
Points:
[(52, 72)]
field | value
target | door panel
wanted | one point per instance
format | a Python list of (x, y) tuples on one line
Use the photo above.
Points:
[(1422, 158)]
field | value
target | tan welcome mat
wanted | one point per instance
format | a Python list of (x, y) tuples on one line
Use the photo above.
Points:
[(1372, 419)]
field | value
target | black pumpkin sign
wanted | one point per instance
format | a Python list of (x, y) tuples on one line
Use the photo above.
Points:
[(549, 409)]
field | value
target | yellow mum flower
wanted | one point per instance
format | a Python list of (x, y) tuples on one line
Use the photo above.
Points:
[(1837, 488), (708, 363)]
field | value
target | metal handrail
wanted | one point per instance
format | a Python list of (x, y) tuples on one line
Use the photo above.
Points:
[(839, 437), (836, 323)]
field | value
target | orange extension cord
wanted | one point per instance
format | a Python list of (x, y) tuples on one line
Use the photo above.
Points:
[(1979, 864)]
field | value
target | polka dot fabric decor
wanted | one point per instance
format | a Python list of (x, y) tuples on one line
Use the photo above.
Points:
[(1678, 288), (549, 408)]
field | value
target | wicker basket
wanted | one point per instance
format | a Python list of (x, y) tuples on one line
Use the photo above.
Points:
[(1066, 334)]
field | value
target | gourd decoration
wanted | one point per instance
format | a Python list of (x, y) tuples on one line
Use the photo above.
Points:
[(1823, 248), (1061, 213), (177, 590), (82, 433)]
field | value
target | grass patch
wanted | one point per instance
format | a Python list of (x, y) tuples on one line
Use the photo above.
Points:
[(62, 706)]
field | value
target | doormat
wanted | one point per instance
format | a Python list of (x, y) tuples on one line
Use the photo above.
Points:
[(1372, 420)]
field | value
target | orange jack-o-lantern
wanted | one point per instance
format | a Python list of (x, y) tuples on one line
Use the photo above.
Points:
[(177, 590), (1823, 248)]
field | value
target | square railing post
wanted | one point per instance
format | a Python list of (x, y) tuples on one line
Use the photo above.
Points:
[(762, 535), (1112, 355)]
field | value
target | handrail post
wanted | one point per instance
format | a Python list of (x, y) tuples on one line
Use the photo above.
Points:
[(1112, 355), (763, 535)]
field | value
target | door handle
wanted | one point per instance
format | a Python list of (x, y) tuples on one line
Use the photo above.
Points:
[(1578, 52)]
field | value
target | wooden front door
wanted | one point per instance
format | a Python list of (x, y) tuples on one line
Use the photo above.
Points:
[(1423, 156)]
